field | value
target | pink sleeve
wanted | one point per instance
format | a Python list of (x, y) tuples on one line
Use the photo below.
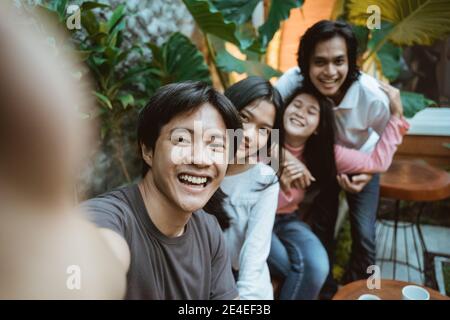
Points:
[(379, 160)]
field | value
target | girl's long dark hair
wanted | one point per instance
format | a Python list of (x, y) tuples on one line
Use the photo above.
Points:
[(318, 152), (251, 89), (244, 93)]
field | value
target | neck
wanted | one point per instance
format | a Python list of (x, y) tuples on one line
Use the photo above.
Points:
[(169, 219), (337, 98), (235, 168), (295, 142)]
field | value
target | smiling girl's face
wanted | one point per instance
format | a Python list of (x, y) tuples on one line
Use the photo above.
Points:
[(301, 118), (258, 119)]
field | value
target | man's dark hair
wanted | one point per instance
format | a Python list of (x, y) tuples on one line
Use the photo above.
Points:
[(325, 30), (174, 99)]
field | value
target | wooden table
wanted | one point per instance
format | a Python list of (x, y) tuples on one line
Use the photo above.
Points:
[(408, 180), (414, 181), (390, 290)]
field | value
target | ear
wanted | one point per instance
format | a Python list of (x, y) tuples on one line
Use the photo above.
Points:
[(147, 155)]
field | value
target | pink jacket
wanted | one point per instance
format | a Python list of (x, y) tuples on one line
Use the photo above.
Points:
[(352, 161)]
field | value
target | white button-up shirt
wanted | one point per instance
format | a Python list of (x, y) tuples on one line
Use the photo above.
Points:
[(362, 114)]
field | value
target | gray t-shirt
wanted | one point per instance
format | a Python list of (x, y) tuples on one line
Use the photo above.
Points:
[(194, 265)]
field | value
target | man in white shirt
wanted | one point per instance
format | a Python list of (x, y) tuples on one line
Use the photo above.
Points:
[(327, 63)]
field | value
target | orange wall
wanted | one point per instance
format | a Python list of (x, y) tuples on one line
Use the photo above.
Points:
[(293, 28)]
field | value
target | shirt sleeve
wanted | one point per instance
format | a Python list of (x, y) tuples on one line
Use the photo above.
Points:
[(223, 286), (379, 160), (288, 82), (378, 115), (105, 213), (254, 281)]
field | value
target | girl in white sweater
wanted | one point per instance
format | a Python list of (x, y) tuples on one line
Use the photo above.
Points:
[(252, 186)]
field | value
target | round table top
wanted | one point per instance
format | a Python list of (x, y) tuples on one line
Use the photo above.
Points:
[(390, 290), (414, 181)]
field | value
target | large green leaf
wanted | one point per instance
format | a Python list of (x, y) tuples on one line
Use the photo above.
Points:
[(228, 63), (239, 11), (279, 11), (116, 17), (180, 60), (413, 21), (89, 22), (362, 36), (89, 5), (414, 102), (225, 18), (103, 99), (212, 21), (388, 55)]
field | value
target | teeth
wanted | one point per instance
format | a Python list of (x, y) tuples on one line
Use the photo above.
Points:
[(328, 81), (194, 180), (296, 122)]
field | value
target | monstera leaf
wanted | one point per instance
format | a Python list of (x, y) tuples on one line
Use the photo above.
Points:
[(239, 11), (212, 21), (225, 18), (179, 60)]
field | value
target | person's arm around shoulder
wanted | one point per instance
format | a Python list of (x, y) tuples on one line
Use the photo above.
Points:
[(288, 82), (396, 109)]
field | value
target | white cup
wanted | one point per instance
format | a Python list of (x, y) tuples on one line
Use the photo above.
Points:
[(369, 297), (415, 293)]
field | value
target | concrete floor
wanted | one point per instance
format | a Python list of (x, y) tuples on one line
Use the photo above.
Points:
[(437, 239)]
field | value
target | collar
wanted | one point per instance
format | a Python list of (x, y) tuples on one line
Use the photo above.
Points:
[(350, 100)]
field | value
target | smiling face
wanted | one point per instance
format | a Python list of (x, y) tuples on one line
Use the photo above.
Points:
[(329, 67), (189, 160), (258, 119), (301, 119)]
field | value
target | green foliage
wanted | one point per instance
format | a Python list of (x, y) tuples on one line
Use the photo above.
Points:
[(404, 23), (229, 21), (121, 91), (446, 271), (212, 21), (343, 249), (414, 102), (412, 21), (279, 11), (228, 63), (179, 60)]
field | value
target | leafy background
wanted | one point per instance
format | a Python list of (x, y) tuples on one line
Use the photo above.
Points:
[(129, 53), (130, 48)]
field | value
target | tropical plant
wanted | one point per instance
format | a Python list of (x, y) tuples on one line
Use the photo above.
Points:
[(223, 21), (404, 23), (121, 90)]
